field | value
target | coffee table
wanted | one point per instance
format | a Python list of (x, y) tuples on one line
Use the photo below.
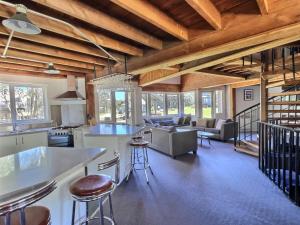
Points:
[(205, 135)]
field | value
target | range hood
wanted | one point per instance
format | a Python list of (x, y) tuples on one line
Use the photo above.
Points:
[(72, 93)]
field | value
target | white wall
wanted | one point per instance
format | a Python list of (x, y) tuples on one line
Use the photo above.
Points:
[(241, 104)]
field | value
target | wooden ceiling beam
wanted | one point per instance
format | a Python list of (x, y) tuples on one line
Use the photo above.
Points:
[(44, 50), (97, 18), (255, 30), (13, 72), (55, 41), (208, 11), (18, 54), (202, 64), (62, 29), (153, 15), (162, 88), (34, 69), (220, 73), (154, 75), (44, 65), (263, 6)]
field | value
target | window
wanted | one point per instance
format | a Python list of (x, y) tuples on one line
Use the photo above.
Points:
[(144, 104), (21, 103), (206, 104), (5, 109), (172, 104), (29, 103), (104, 105), (219, 101), (114, 106), (157, 104), (189, 103)]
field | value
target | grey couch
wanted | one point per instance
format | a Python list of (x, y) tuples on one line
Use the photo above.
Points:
[(173, 141), (222, 129)]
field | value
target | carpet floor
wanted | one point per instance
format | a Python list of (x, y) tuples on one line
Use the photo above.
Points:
[(218, 186)]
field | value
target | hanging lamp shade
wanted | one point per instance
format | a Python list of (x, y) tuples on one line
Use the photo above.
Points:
[(51, 69), (20, 23)]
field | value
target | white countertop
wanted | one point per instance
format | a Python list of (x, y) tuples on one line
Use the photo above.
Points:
[(27, 131), (113, 130), (23, 171)]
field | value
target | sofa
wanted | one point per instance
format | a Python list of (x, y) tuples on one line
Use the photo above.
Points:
[(168, 121), (222, 129), (173, 141)]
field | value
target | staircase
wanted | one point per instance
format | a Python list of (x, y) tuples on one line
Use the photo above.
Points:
[(283, 107)]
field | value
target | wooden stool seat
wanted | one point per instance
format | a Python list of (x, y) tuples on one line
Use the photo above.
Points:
[(139, 143), (35, 215), (92, 185)]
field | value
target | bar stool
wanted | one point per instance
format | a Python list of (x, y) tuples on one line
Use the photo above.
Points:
[(96, 188), (136, 146), (17, 212)]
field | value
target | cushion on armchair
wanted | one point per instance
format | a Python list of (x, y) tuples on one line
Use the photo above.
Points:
[(187, 120), (219, 124), (201, 123), (210, 123), (180, 121)]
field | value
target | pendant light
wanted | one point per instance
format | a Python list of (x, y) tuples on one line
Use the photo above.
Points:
[(20, 23), (51, 69)]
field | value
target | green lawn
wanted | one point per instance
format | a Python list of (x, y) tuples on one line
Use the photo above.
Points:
[(207, 112)]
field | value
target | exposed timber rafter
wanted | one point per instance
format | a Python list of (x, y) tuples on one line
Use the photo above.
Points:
[(153, 15), (44, 50), (263, 6), (208, 11), (212, 61), (44, 65), (93, 16), (267, 28), (17, 54), (34, 69), (56, 27)]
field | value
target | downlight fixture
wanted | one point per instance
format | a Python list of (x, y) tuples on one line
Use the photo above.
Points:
[(51, 69)]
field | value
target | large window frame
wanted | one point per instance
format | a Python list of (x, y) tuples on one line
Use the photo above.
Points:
[(12, 93), (195, 104)]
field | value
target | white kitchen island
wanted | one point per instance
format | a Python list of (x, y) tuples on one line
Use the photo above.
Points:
[(22, 172), (113, 137)]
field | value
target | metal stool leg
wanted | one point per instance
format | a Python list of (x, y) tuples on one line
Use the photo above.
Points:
[(101, 211), (146, 149), (145, 165), (111, 208), (22, 217), (132, 153), (73, 212)]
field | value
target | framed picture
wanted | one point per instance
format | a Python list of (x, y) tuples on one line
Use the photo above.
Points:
[(248, 95)]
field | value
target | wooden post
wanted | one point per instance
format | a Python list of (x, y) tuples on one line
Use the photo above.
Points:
[(263, 89), (232, 96), (90, 98)]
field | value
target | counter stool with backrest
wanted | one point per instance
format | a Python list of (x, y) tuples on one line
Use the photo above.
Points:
[(96, 188), (137, 145), (18, 212)]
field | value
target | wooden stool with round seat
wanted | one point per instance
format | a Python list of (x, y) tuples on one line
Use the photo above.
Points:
[(96, 188), (136, 146), (17, 212)]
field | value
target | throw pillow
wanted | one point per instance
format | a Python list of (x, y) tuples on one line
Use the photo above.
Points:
[(220, 123), (202, 123), (210, 123), (187, 120), (180, 121)]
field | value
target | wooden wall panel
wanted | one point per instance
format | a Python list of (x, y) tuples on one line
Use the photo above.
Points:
[(162, 88)]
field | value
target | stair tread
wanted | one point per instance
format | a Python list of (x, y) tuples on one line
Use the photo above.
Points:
[(284, 93), (246, 150)]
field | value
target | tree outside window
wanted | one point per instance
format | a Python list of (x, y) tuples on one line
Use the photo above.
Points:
[(189, 106), (157, 104)]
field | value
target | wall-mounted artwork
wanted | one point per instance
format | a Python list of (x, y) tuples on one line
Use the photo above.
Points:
[(248, 95)]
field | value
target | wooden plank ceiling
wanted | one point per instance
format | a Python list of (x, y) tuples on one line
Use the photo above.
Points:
[(162, 39)]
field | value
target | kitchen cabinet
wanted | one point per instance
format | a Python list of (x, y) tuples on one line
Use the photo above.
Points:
[(18, 142), (8, 145), (28, 141)]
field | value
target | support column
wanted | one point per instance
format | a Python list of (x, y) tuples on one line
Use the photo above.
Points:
[(263, 90), (90, 98), (232, 103)]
